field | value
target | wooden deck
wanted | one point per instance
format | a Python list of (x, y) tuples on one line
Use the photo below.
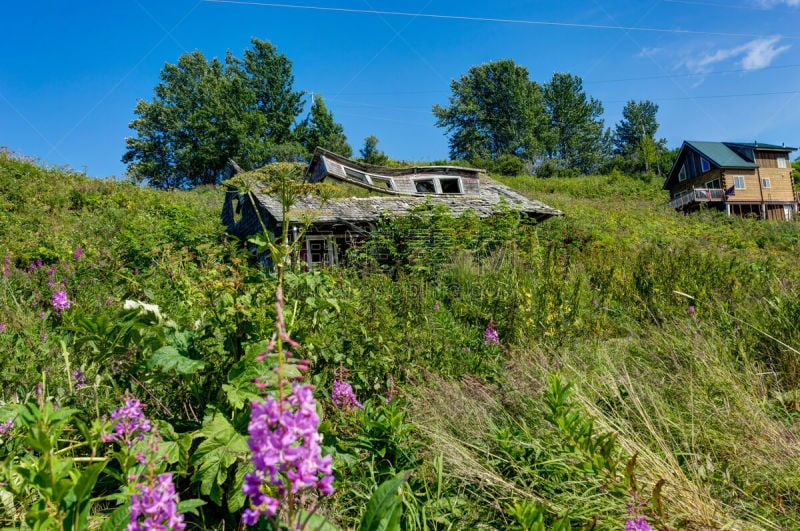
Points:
[(697, 195)]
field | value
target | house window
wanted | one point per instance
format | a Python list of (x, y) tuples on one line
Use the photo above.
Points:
[(765, 183), (781, 162), (713, 185), (382, 182), (738, 182), (704, 165), (450, 186), (682, 174), (425, 186), (357, 175)]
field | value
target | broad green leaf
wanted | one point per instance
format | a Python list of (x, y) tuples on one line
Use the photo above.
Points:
[(385, 506), (167, 358), (315, 522), (222, 446), (236, 497), (190, 506)]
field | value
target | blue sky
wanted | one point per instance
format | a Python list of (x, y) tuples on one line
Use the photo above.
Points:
[(71, 73)]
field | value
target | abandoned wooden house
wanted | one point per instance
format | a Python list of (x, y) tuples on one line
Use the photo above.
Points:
[(340, 223), (742, 179)]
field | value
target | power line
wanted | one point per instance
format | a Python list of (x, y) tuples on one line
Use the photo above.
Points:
[(720, 96), (587, 80), (499, 20)]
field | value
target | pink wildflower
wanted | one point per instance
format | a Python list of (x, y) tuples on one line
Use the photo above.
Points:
[(343, 396), (60, 301), (285, 442)]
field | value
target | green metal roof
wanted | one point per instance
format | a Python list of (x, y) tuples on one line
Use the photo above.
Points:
[(720, 154), (760, 145)]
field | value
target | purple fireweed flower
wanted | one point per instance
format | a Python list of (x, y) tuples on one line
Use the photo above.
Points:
[(435, 307), (285, 443), (3, 328), (638, 523), (155, 506), (491, 337), (78, 253), (60, 301), (690, 310), (467, 350), (129, 423), (343, 396), (135, 270), (6, 427), (80, 379), (44, 337)]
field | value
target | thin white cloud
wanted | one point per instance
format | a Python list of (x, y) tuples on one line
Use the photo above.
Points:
[(773, 3), (650, 52), (754, 55)]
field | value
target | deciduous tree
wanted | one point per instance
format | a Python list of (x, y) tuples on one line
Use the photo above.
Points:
[(319, 129), (638, 122), (204, 113), (495, 109), (577, 138), (371, 154)]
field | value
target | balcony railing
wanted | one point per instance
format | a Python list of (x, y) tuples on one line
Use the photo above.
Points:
[(697, 195)]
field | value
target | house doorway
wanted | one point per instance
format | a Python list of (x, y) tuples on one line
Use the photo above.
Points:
[(320, 251)]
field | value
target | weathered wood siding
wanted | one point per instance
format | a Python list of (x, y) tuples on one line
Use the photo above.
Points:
[(769, 159)]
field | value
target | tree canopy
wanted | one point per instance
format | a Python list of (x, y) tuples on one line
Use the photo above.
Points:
[(638, 122), (204, 113), (495, 109), (577, 136), (320, 129), (371, 154)]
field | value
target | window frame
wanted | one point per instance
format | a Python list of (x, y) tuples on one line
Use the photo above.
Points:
[(457, 181), (432, 180), (704, 165), (683, 174), (381, 182), (739, 178), (782, 163), (766, 182)]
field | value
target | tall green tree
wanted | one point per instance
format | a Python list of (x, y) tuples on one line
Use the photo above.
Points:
[(577, 138), (193, 124), (204, 113), (495, 109), (371, 154), (270, 78), (638, 122), (319, 129)]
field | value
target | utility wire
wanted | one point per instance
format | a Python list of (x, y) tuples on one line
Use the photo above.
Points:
[(499, 20), (589, 80)]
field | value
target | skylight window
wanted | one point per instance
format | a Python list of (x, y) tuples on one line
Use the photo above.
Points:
[(425, 186)]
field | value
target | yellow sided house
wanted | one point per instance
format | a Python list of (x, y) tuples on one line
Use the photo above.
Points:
[(740, 178)]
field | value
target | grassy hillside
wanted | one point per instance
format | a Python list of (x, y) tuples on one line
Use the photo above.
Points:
[(621, 361)]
